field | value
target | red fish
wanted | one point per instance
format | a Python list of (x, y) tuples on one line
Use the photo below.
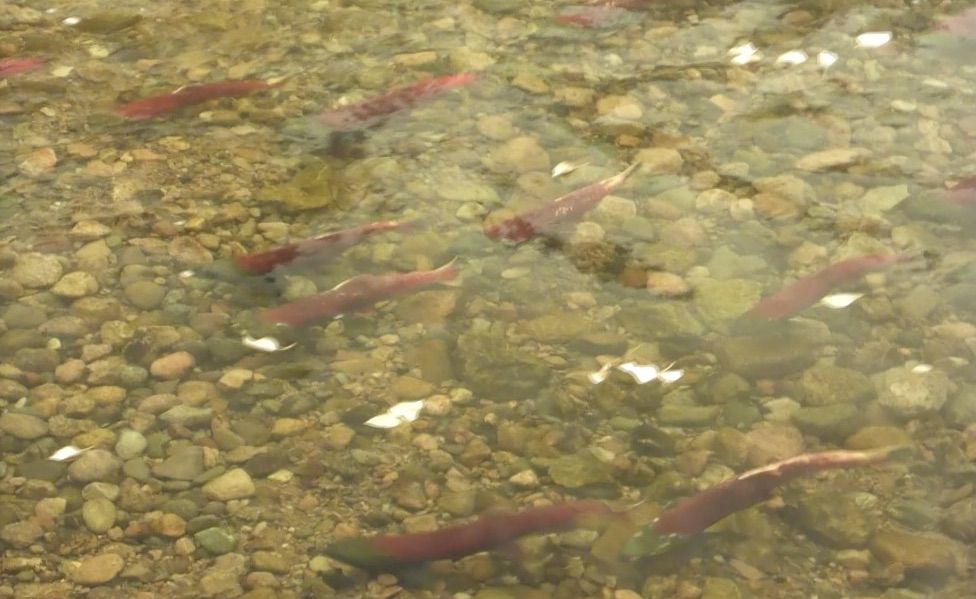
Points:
[(489, 531), (808, 290), (326, 247), (694, 514), (153, 106), (565, 208), (372, 110), (357, 293), (15, 66)]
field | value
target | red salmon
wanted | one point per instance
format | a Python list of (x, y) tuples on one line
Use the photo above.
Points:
[(357, 293), (806, 291), (372, 110), (326, 247), (153, 106), (565, 208), (15, 66)]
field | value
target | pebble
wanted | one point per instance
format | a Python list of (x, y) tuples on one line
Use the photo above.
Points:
[(518, 155), (35, 271), (832, 158), (666, 284), (146, 295), (233, 484), (95, 465), (660, 161), (76, 284), (130, 444), (172, 366), (526, 479), (215, 540), (98, 514), (909, 394), (22, 426), (98, 569), (21, 534)]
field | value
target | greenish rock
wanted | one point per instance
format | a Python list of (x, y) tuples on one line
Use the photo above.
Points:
[(485, 352), (98, 514), (919, 552), (498, 7), (188, 416), (918, 514), (42, 470), (146, 295), (458, 503), (834, 421), (216, 541), (740, 413), (664, 318), (960, 410), (579, 470), (114, 370), (95, 465), (726, 263), (21, 316), (823, 384), (22, 426), (315, 186), (185, 463), (766, 356), (874, 437), (884, 198), (107, 22), (720, 588), (841, 519), (270, 561), (37, 359), (137, 469), (649, 440), (729, 386), (959, 520), (556, 327), (722, 300), (908, 394), (130, 444), (688, 415), (919, 303)]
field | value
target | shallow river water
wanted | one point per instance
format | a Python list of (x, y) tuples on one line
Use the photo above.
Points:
[(785, 266)]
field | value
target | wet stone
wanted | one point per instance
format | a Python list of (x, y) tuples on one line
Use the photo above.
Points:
[(98, 515), (95, 465), (145, 294), (76, 284), (215, 541), (767, 356), (919, 552), (21, 534), (837, 518), (34, 270), (186, 463), (825, 384), (835, 421), (187, 416), (172, 366), (233, 484), (130, 444), (579, 470), (98, 569), (22, 426), (959, 520)]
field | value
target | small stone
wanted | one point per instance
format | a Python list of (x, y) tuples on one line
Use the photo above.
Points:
[(76, 284), (338, 436), (168, 525), (89, 230), (908, 394), (233, 484), (831, 159), (98, 569), (518, 155), (172, 366), (188, 416), (21, 534), (144, 294), (95, 465), (38, 162), (35, 271), (98, 514), (660, 161), (22, 426), (526, 479), (185, 463), (215, 540), (189, 252), (666, 284), (834, 421), (919, 552), (130, 444)]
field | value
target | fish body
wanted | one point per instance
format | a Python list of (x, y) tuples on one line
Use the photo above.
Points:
[(489, 531), (326, 247), (963, 193), (15, 66), (372, 110), (153, 106), (806, 291), (565, 208), (356, 293), (694, 514)]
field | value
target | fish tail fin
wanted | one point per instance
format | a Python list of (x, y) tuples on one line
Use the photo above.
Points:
[(448, 271), (620, 177)]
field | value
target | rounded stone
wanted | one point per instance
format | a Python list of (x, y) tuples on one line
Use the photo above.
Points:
[(145, 294), (99, 514), (98, 569), (233, 484), (172, 366), (95, 465), (22, 426), (34, 270), (130, 444), (76, 284)]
